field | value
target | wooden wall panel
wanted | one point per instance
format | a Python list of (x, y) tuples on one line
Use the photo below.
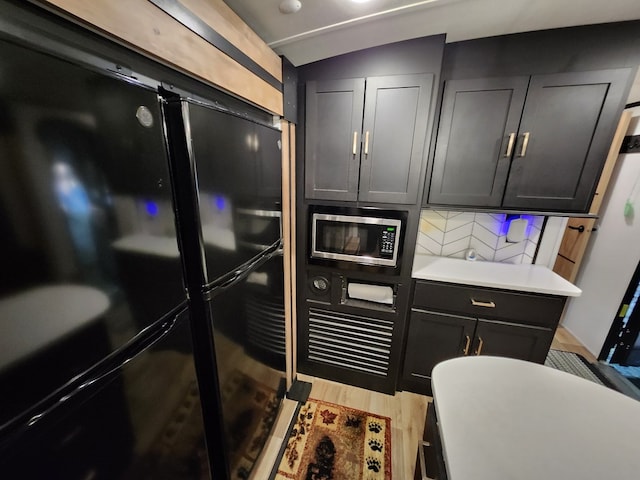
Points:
[(565, 268), (289, 239), (225, 21), (144, 27), (287, 258), (576, 237), (612, 157)]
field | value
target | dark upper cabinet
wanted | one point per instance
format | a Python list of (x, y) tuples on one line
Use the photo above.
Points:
[(333, 129), (566, 129), (534, 143), (478, 124), (365, 138)]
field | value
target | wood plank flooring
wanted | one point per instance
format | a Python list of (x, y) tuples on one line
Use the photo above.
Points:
[(564, 340), (407, 412)]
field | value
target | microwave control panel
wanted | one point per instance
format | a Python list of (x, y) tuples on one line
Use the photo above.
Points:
[(388, 241)]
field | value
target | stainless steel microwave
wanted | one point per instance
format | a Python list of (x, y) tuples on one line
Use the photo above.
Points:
[(364, 237)]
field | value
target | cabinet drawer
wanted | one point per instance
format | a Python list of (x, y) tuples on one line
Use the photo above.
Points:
[(479, 302)]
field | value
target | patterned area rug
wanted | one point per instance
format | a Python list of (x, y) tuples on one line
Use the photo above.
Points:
[(250, 410), (331, 442), (575, 364)]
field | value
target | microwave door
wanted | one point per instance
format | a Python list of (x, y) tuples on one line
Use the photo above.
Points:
[(354, 239), (358, 239)]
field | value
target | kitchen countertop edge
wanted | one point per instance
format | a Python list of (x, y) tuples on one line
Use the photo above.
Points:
[(505, 276)]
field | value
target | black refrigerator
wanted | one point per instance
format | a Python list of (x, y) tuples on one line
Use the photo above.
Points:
[(232, 192), (141, 319)]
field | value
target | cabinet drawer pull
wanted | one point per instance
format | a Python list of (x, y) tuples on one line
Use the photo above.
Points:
[(512, 138), (355, 142), (480, 344), (466, 347), (476, 303), (525, 143), (366, 142)]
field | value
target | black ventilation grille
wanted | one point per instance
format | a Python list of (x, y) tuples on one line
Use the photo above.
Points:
[(265, 323), (350, 341)]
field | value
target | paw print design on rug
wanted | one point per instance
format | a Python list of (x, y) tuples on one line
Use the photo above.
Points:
[(335, 442), (375, 427), (376, 464), (375, 445), (373, 464)]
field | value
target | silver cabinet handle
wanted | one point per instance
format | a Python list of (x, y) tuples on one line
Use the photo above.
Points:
[(366, 143), (525, 143), (355, 142), (512, 137), (480, 345), (476, 303)]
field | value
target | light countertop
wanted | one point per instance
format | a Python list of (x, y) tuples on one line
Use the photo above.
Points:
[(524, 278), (502, 418)]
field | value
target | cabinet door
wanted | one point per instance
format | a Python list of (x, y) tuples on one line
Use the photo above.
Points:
[(514, 341), (332, 147), (478, 125), (567, 126), (432, 338), (395, 124)]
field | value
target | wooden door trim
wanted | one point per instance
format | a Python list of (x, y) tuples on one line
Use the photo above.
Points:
[(569, 257)]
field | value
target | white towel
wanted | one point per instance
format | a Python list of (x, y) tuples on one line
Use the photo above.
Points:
[(371, 293)]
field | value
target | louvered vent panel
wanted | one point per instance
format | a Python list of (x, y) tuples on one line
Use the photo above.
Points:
[(265, 323), (350, 341)]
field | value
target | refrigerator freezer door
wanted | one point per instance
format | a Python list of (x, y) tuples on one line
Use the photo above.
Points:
[(89, 253), (238, 170), (138, 420)]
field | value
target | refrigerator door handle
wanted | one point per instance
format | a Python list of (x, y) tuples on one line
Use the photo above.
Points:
[(91, 379), (243, 271)]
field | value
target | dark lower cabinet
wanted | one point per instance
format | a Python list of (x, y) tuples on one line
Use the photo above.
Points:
[(510, 340), (432, 338), (523, 327)]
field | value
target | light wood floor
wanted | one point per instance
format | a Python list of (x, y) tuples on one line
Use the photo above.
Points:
[(563, 340), (406, 410)]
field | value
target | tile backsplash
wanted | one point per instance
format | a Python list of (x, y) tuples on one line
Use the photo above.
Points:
[(451, 234)]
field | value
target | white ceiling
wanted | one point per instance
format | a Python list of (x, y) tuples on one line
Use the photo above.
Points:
[(325, 28)]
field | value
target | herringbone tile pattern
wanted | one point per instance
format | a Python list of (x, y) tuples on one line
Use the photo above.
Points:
[(451, 234)]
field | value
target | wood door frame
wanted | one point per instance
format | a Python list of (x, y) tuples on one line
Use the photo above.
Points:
[(568, 264)]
